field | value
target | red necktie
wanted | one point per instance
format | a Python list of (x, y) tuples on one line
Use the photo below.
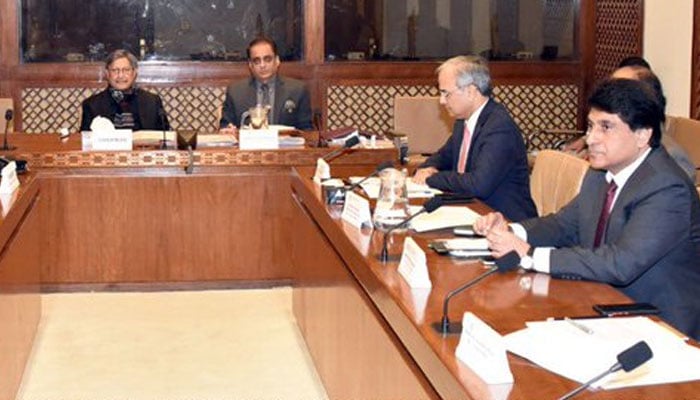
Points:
[(464, 150), (604, 214)]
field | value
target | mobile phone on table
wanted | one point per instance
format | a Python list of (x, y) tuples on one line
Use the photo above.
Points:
[(619, 310)]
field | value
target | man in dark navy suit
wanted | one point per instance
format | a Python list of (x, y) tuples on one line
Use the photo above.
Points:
[(485, 157)]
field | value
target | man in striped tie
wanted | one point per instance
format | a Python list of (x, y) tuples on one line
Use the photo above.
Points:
[(485, 156)]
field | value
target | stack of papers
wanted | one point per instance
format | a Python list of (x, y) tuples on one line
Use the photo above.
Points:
[(215, 140), (153, 138), (581, 349), (467, 247), (443, 217)]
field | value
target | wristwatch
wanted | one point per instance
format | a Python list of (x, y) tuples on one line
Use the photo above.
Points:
[(527, 262)]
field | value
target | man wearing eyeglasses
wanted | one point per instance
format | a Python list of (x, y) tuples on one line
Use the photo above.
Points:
[(287, 99), (485, 156), (127, 106)]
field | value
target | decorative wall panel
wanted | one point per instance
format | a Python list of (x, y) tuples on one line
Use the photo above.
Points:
[(533, 107), (50, 109), (619, 33)]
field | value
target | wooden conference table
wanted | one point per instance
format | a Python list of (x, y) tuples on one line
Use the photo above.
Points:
[(102, 220), (136, 219), (370, 336)]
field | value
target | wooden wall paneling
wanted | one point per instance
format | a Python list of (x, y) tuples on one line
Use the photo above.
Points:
[(695, 76), (619, 26), (313, 69)]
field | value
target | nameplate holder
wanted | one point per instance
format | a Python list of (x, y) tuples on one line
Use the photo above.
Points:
[(258, 139), (483, 350), (323, 171), (414, 265), (108, 140), (356, 210), (9, 182)]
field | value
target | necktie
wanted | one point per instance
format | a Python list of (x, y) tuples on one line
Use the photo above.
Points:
[(265, 89), (604, 214), (464, 150)]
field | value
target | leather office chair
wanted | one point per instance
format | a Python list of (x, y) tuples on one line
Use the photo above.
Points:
[(5, 104), (556, 179), (426, 124), (686, 132)]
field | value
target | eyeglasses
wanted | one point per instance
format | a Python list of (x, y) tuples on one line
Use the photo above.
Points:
[(265, 59), (447, 93), (123, 71)]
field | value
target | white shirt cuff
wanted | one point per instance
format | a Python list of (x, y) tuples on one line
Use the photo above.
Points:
[(540, 256)]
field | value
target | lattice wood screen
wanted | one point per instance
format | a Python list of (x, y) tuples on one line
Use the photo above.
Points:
[(533, 107), (619, 33), (50, 109)]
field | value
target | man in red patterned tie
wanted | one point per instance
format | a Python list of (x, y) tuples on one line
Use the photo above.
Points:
[(485, 157), (635, 224)]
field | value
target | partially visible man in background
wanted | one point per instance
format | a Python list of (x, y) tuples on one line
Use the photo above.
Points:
[(287, 99)]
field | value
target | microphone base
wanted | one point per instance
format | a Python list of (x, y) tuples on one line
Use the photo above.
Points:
[(8, 148), (334, 195), (453, 328), (163, 145), (389, 258)]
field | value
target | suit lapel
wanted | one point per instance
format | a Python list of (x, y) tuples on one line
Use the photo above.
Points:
[(593, 207), (483, 117), (280, 96)]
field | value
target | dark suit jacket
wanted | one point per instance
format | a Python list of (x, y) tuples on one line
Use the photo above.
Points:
[(292, 104), (651, 251), (150, 109), (496, 173)]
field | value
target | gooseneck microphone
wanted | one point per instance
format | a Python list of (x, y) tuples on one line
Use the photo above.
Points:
[(445, 326), (429, 206), (164, 126), (352, 142), (336, 195), (628, 360), (381, 167), (8, 118)]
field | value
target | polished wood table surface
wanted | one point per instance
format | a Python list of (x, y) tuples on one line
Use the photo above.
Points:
[(351, 308)]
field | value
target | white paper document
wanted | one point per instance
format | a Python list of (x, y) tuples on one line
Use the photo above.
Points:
[(581, 349), (415, 191), (443, 217)]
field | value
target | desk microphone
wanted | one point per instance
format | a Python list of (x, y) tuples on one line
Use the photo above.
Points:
[(8, 118), (164, 126), (506, 263), (429, 206), (348, 144), (628, 360), (336, 195)]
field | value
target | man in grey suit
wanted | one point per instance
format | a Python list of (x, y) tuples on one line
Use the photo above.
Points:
[(287, 99), (635, 223)]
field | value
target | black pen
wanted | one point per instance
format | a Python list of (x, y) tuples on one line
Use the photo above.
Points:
[(581, 317)]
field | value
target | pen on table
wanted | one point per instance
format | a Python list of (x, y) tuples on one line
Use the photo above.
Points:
[(579, 326), (581, 317)]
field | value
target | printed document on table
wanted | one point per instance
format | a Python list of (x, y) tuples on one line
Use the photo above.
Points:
[(415, 191), (443, 217), (581, 349)]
